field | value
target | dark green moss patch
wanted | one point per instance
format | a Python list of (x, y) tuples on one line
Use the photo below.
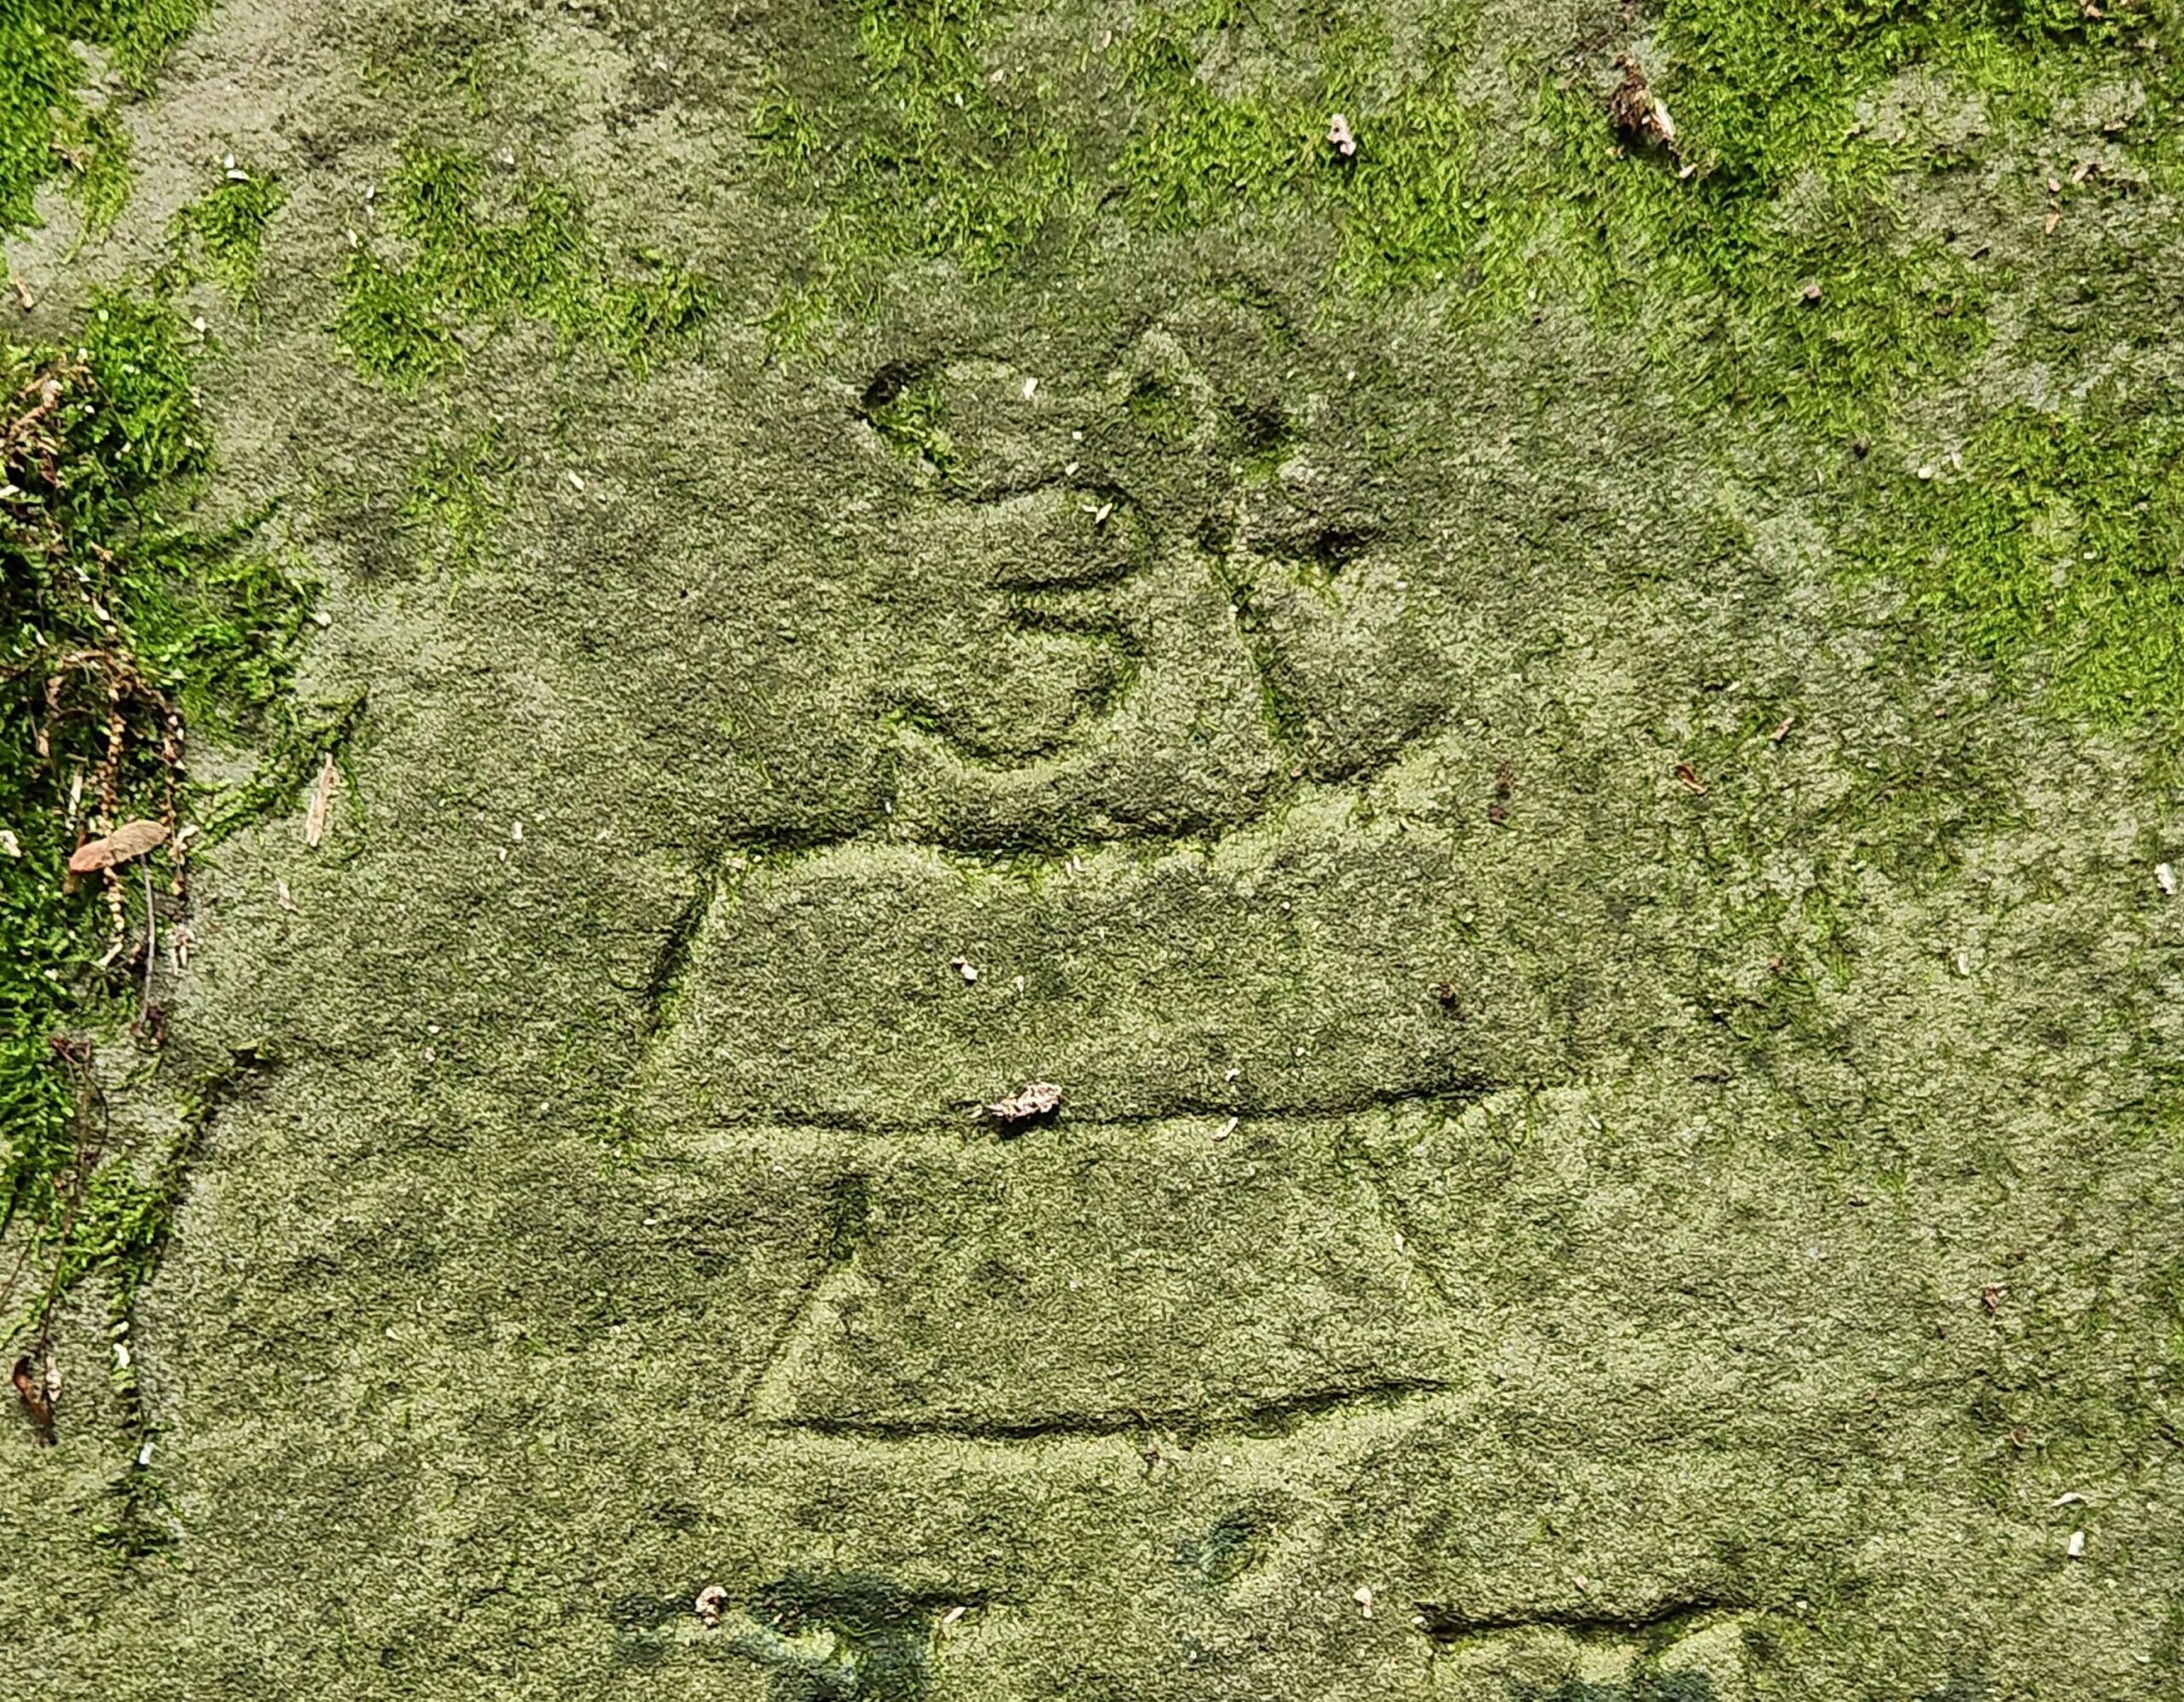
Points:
[(221, 235), (1679, 1687), (2053, 541), (480, 251), (46, 128), (851, 1638), (910, 409), (125, 622)]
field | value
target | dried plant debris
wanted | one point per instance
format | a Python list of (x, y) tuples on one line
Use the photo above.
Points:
[(36, 1393), (321, 800), (1036, 1100), (126, 844), (126, 609), (1639, 115)]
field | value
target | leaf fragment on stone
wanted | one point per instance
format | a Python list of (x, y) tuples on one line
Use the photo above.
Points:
[(1639, 114), (321, 800), (1036, 1100), (124, 844), (36, 1399)]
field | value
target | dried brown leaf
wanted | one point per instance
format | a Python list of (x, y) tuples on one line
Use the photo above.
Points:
[(124, 844), (31, 1392)]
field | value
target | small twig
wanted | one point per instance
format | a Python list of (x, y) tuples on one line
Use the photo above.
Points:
[(151, 941), (322, 798)]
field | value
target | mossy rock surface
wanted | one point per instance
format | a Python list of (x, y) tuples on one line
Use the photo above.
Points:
[(1560, 732)]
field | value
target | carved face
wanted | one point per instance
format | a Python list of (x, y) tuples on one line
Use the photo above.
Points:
[(1169, 822), (1433, 1209)]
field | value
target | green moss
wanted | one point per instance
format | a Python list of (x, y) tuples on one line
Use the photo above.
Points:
[(1195, 152), (296, 739), (1760, 91), (137, 35), (1415, 205), (1679, 1687), (854, 1637), (2055, 545), (1823, 311), (1762, 258), (221, 235), (453, 502), (911, 414), (942, 136), (911, 151), (482, 252), (122, 620), (1769, 242), (1163, 415), (389, 326), (45, 127), (39, 73), (103, 177)]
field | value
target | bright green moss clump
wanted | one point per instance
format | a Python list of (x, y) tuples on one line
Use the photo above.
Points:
[(483, 249), (45, 126), (1413, 206), (2058, 541), (454, 497), (912, 415), (1767, 242), (1757, 250), (122, 624), (39, 73), (1764, 90), (221, 235), (915, 153)]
